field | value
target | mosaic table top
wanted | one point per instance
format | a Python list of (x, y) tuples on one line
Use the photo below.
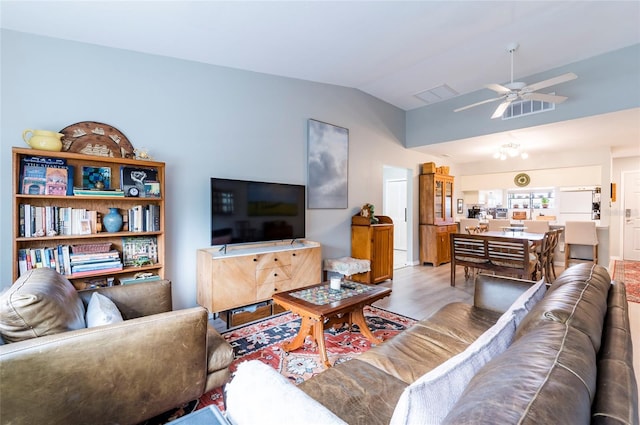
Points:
[(321, 295)]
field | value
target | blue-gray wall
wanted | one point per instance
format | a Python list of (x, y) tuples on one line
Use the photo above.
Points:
[(605, 83), (201, 120)]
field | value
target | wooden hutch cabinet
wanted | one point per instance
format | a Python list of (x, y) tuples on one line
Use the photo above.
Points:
[(373, 242), (436, 218)]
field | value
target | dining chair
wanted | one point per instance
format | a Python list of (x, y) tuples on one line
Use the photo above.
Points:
[(536, 226), (545, 257), (551, 264), (497, 224), (466, 223), (472, 227), (580, 233)]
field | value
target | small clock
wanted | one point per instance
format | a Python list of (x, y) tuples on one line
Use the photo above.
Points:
[(133, 192), (522, 179)]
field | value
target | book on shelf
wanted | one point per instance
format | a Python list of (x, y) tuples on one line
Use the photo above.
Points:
[(56, 183), (138, 278), (83, 191), (90, 272), (139, 250), (134, 179), (64, 262), (144, 218), (96, 177), (45, 176), (152, 189), (75, 268), (34, 179), (52, 220)]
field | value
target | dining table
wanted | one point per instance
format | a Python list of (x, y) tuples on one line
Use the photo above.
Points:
[(535, 238)]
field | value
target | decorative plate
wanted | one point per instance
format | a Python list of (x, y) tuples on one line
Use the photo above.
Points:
[(522, 179), (95, 138)]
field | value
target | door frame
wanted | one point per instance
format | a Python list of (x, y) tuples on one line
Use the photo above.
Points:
[(407, 173), (626, 180)]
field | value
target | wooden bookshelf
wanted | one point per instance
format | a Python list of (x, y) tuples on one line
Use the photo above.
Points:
[(101, 204)]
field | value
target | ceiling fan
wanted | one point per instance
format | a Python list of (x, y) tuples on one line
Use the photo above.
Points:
[(517, 90)]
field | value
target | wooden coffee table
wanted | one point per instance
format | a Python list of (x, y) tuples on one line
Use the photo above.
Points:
[(319, 307)]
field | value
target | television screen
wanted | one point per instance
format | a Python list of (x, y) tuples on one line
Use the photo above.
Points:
[(248, 211)]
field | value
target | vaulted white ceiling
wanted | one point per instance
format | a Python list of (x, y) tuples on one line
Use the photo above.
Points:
[(389, 49)]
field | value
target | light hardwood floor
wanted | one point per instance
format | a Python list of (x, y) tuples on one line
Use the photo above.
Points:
[(419, 291)]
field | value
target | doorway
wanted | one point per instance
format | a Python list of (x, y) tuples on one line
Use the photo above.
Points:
[(631, 215), (396, 204)]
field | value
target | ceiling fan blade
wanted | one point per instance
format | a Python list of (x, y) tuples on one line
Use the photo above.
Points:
[(479, 103), (500, 110), (498, 88), (550, 82), (551, 98)]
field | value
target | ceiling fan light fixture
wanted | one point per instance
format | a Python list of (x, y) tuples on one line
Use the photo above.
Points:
[(515, 91)]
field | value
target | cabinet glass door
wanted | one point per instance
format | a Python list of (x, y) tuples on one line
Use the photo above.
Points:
[(448, 201), (438, 195)]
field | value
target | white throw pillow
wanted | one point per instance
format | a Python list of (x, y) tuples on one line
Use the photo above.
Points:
[(430, 398), (258, 394), (102, 311), (523, 304)]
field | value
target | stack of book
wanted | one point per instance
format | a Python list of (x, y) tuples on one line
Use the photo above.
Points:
[(144, 218), (40, 221), (82, 191), (89, 263)]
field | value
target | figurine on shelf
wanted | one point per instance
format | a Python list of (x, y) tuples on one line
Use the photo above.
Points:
[(368, 211), (143, 154)]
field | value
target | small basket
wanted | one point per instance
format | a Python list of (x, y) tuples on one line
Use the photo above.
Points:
[(444, 170), (91, 248)]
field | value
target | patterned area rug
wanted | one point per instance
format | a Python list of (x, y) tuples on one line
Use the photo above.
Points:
[(629, 271), (263, 341)]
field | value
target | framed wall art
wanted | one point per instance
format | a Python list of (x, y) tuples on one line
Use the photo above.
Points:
[(327, 165), (459, 209)]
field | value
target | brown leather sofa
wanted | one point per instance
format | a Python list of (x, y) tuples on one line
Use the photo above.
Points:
[(566, 357), (121, 373)]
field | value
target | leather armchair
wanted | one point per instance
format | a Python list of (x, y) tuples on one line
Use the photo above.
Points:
[(124, 373)]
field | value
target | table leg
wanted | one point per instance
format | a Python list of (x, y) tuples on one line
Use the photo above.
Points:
[(318, 333), (357, 317), (305, 329)]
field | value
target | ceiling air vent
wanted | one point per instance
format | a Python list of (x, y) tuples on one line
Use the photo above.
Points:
[(436, 94), (527, 107)]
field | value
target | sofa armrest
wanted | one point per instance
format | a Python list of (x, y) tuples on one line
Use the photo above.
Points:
[(136, 300), (120, 373), (259, 394)]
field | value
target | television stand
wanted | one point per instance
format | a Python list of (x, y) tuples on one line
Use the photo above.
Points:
[(246, 274)]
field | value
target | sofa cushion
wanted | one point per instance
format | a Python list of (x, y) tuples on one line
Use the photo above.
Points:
[(357, 392), (578, 298), (102, 311), (430, 342), (548, 376), (41, 302), (429, 399)]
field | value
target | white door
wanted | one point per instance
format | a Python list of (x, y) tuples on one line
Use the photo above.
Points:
[(631, 216), (396, 208)]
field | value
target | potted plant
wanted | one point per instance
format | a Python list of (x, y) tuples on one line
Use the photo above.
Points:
[(545, 202)]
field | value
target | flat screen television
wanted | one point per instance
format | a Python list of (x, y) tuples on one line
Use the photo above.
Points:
[(251, 211)]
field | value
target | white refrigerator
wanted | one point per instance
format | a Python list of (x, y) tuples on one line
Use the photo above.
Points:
[(575, 205)]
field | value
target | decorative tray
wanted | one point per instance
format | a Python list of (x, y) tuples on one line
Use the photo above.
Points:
[(95, 138)]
